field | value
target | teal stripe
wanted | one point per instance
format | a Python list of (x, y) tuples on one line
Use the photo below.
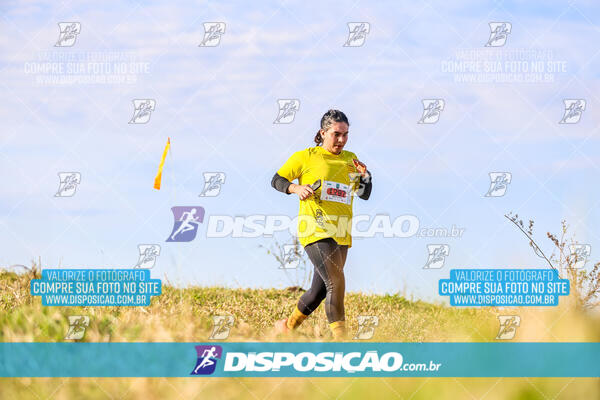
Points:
[(179, 359)]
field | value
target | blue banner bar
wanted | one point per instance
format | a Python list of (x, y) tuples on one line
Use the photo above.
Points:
[(95, 287), (503, 287), (254, 359)]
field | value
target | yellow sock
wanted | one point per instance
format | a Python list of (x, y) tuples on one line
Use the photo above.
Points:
[(296, 319), (338, 329)]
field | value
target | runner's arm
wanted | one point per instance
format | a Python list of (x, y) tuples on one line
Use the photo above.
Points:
[(280, 183), (368, 186)]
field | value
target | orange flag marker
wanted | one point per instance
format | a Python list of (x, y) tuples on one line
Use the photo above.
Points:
[(158, 177)]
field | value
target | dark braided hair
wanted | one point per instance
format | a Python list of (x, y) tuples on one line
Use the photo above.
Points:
[(328, 119)]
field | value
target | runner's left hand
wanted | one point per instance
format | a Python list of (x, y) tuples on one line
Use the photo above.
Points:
[(361, 167)]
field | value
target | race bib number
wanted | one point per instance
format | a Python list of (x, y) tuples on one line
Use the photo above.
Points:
[(335, 191)]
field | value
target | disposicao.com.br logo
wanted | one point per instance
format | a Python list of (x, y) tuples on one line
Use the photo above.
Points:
[(360, 226), (188, 219), (272, 363)]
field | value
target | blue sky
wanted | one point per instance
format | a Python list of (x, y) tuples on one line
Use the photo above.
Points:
[(217, 104)]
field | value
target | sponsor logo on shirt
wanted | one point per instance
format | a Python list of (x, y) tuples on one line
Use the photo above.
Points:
[(319, 217)]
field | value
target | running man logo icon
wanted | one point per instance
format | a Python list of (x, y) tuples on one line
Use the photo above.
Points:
[(207, 359), (357, 33), (77, 325), (358, 186), (287, 110), (212, 184), (437, 255), (185, 225), (148, 254), (498, 183), (68, 184), (212, 34), (508, 326), (68, 33), (291, 256), (498, 34), (366, 327), (573, 110), (432, 108), (142, 108), (222, 325), (579, 254)]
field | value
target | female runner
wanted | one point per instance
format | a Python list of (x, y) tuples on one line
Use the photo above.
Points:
[(328, 179)]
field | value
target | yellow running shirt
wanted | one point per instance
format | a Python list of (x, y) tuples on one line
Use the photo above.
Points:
[(328, 212)]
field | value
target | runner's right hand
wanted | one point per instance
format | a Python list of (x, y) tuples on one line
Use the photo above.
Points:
[(303, 191)]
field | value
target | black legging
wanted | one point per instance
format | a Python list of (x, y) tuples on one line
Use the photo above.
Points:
[(328, 282)]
